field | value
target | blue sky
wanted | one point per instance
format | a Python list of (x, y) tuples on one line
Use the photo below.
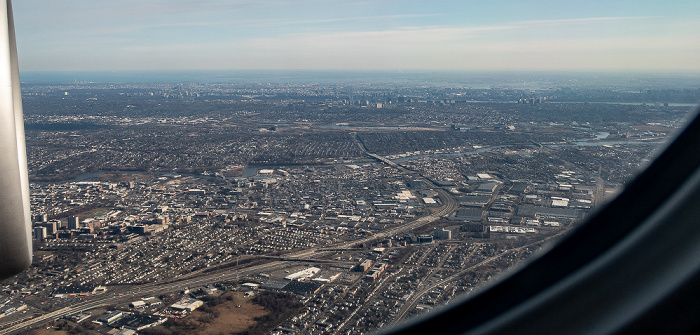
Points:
[(345, 34)]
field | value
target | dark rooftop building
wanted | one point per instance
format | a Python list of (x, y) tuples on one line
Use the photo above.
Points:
[(489, 187), (467, 214), (73, 290), (444, 183), (532, 211), (302, 288), (274, 284), (138, 321), (473, 227), (415, 184), (518, 188)]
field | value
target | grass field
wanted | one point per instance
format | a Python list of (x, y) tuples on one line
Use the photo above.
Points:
[(234, 316)]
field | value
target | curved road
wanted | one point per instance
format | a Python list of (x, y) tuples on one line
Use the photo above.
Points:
[(449, 205)]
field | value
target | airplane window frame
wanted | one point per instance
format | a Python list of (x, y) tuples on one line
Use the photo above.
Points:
[(656, 203)]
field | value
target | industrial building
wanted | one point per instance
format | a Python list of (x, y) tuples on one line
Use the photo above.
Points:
[(303, 274), (187, 304), (442, 234)]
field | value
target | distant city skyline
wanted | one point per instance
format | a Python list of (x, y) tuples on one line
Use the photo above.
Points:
[(357, 35)]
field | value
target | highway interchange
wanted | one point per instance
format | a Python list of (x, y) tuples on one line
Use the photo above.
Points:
[(202, 278)]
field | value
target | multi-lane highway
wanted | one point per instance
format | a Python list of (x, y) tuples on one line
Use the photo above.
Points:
[(202, 278)]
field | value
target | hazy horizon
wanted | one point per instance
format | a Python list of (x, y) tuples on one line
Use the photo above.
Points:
[(358, 35), (437, 78)]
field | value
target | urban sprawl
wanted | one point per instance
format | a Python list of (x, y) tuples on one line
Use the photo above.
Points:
[(315, 208)]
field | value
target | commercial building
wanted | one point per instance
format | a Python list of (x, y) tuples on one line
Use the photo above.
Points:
[(138, 321), (302, 288), (468, 214), (489, 187), (473, 200), (540, 211), (303, 274), (110, 317), (187, 304), (72, 291), (442, 234)]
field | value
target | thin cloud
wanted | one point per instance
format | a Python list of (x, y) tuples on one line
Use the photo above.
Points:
[(581, 20), (416, 33), (275, 23), (526, 44), (310, 34), (360, 18)]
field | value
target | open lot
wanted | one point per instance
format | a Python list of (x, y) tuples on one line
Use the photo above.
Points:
[(231, 318)]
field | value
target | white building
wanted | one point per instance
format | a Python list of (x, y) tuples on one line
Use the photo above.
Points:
[(187, 304), (303, 274)]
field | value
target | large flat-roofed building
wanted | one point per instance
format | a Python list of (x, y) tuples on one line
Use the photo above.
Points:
[(519, 188), (474, 200), (302, 288), (560, 202), (274, 284), (484, 176), (110, 317), (442, 234), (303, 274), (468, 214), (138, 321), (540, 211), (489, 187), (72, 291), (187, 304)]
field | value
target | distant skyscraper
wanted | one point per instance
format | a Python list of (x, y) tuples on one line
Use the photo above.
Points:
[(50, 227), (73, 222), (40, 233)]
